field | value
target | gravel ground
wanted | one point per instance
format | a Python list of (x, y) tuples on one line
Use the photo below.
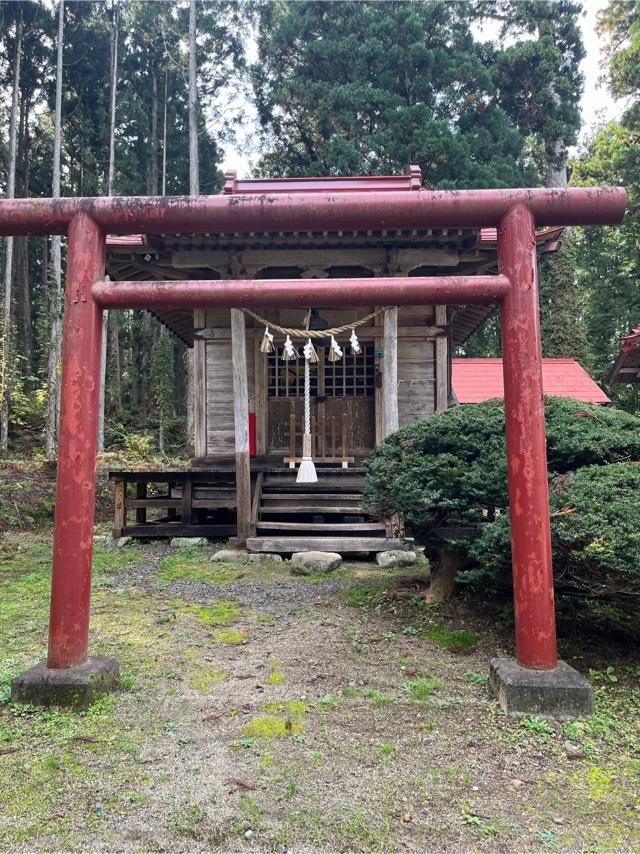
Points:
[(339, 717)]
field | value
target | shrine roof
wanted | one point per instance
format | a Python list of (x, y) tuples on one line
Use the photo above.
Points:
[(214, 256)]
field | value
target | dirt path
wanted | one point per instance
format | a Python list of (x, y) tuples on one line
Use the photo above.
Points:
[(263, 712)]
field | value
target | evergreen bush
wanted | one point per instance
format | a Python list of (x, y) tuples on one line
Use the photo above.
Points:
[(450, 471)]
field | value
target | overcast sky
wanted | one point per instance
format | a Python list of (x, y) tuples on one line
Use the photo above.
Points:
[(597, 103)]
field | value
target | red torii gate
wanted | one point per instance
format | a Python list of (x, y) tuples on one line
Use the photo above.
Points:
[(515, 213)]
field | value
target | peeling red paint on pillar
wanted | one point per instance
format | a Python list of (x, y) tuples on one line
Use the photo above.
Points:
[(75, 489), (526, 444)]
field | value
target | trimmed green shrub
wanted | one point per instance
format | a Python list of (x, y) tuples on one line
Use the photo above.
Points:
[(451, 470), (595, 534)]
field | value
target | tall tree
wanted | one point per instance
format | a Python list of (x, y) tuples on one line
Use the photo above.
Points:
[(609, 259), (5, 367), (194, 160), (619, 23), (113, 84), (368, 87), (194, 190), (539, 78), (55, 284)]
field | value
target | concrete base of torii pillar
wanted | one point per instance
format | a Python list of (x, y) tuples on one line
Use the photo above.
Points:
[(78, 686), (560, 693)]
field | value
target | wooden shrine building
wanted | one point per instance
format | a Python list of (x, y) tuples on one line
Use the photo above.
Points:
[(250, 404)]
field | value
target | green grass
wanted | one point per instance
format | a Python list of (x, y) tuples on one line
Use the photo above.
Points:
[(185, 820), (221, 612), (458, 641), (67, 761), (190, 564), (109, 559), (387, 749), (421, 689)]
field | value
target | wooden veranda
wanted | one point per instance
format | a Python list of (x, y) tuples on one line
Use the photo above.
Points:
[(285, 516)]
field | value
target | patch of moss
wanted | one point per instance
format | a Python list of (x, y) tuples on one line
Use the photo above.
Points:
[(232, 637), (221, 612), (192, 565), (281, 718), (270, 726), (275, 675), (293, 708), (206, 678), (459, 641)]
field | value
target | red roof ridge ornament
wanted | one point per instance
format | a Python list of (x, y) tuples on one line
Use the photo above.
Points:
[(631, 340), (233, 185)]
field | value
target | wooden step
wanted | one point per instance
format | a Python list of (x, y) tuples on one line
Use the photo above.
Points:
[(316, 488), (317, 496), (313, 509), (321, 526), (342, 545), (324, 475)]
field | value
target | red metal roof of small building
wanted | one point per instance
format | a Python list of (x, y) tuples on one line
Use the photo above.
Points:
[(475, 380)]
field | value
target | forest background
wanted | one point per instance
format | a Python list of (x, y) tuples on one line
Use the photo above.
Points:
[(95, 99)]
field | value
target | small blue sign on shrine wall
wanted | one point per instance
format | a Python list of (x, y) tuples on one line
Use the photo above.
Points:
[(379, 351)]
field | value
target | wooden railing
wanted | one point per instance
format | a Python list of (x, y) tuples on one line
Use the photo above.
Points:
[(185, 496), (327, 447)]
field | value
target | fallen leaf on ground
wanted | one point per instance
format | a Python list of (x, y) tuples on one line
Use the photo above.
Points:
[(6, 750), (241, 784), (576, 755)]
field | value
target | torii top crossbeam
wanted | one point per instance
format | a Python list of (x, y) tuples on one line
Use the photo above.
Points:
[(329, 211)]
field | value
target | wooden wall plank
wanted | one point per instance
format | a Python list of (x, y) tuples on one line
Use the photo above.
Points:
[(416, 374), (219, 397), (442, 373), (241, 423), (200, 379), (390, 372)]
